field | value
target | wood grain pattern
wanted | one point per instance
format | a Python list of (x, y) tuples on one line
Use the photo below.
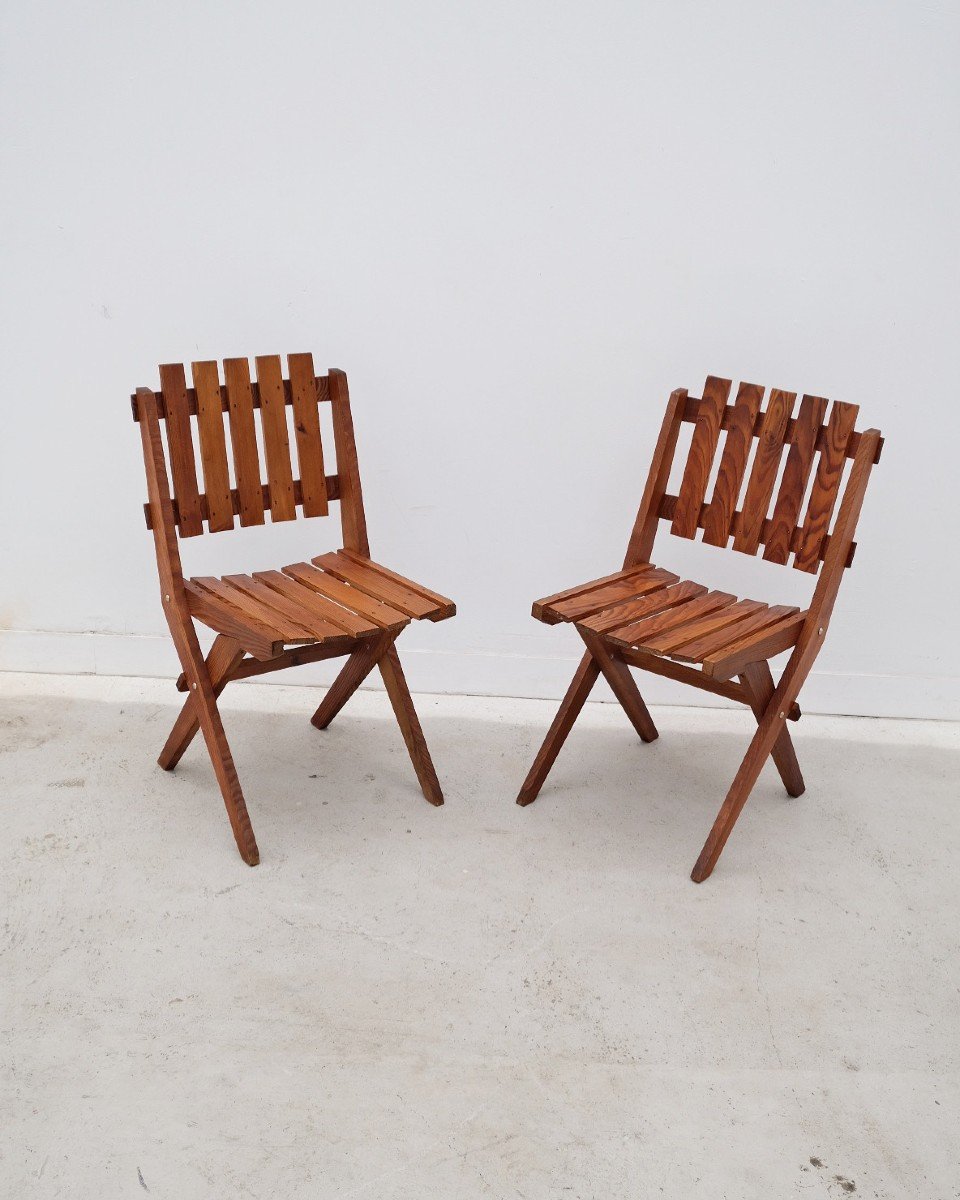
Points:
[(639, 633), (612, 593), (778, 537), (645, 523), (183, 464), (276, 439), (277, 609), (754, 647), (543, 610), (443, 607), (696, 473), (355, 670), (213, 446), (364, 578), (718, 523), (317, 613), (697, 649), (396, 684), (306, 600), (725, 618), (353, 522), (826, 486), (727, 637), (382, 615), (763, 476), (757, 682), (617, 675), (306, 424), (243, 440), (631, 611), (184, 636)]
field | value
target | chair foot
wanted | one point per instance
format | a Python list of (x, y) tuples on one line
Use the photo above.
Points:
[(576, 696), (617, 674), (409, 723), (226, 773), (769, 730), (354, 671), (757, 682)]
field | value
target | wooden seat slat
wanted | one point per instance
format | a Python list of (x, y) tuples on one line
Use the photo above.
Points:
[(612, 593)]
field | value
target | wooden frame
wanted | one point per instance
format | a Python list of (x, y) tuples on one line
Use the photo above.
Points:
[(340, 604), (645, 617)]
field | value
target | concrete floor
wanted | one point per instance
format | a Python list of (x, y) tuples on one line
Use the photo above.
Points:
[(475, 1001)]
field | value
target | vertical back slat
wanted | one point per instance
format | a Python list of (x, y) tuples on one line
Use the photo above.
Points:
[(796, 474), (306, 422), (213, 447), (763, 476), (276, 441), (719, 518), (243, 439), (183, 464), (826, 486), (700, 459)]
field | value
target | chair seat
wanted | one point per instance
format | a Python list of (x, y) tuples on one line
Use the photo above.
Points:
[(653, 611), (338, 597)]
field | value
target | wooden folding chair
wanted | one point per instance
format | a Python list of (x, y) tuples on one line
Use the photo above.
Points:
[(341, 603), (644, 616)]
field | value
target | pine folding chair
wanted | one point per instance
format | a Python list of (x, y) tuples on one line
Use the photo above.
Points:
[(645, 616), (339, 604)]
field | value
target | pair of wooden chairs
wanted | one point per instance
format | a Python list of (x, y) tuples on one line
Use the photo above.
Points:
[(345, 604)]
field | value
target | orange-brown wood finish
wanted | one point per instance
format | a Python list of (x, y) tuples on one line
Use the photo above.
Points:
[(341, 604), (647, 617)]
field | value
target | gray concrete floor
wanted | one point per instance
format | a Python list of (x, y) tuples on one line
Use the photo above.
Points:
[(475, 1001)]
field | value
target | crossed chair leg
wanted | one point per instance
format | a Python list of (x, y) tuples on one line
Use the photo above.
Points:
[(770, 705), (205, 679)]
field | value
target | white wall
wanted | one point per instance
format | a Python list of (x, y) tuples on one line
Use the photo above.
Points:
[(517, 226)]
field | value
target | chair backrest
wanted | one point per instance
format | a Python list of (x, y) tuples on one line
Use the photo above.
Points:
[(266, 476), (806, 451)]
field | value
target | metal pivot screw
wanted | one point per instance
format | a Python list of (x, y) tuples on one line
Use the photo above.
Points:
[(166, 599), (820, 631), (194, 686), (781, 716)]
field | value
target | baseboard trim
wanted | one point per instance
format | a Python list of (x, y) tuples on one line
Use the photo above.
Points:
[(929, 697)]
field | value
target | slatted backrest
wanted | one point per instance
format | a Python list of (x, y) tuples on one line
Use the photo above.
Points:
[(219, 416), (771, 462)]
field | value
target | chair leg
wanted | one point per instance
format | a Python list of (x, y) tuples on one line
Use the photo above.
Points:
[(576, 696), (225, 655), (768, 731), (354, 671), (409, 723), (617, 674), (758, 683), (208, 716)]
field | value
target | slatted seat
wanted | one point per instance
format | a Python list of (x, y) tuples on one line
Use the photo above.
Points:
[(645, 616), (652, 610), (340, 603)]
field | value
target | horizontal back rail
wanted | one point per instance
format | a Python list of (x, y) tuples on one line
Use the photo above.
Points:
[(669, 502), (691, 411), (333, 493), (322, 383)]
